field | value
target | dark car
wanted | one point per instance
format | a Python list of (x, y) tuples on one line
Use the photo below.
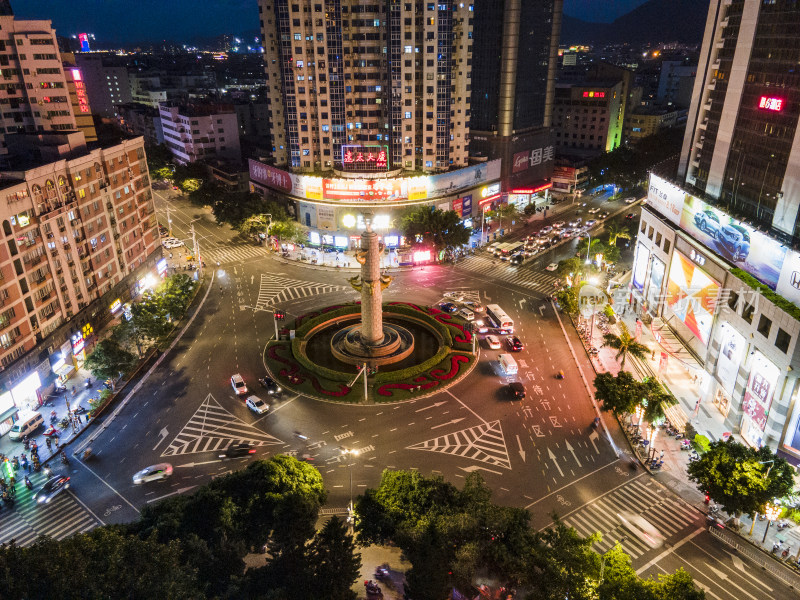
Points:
[(516, 389), (235, 450), (707, 221), (735, 240), (52, 488), (270, 385), (629, 216), (448, 307), (514, 344), (517, 259)]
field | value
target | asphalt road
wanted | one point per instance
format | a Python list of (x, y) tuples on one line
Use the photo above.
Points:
[(540, 453)]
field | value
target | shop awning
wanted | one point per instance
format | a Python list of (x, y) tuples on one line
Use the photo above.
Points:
[(8, 413)]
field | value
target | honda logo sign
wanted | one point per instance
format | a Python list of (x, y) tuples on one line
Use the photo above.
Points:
[(795, 280)]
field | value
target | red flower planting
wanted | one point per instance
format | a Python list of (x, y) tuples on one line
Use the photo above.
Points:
[(463, 336), (455, 367), (294, 374), (386, 388)]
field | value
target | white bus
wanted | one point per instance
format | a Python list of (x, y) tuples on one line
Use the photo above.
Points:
[(503, 321)]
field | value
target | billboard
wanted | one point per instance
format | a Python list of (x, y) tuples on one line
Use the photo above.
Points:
[(692, 295), (377, 190), (732, 347), (760, 389), (83, 38), (640, 268), (531, 158), (745, 247), (657, 270), (789, 281)]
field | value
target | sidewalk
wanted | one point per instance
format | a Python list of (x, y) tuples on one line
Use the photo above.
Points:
[(681, 377)]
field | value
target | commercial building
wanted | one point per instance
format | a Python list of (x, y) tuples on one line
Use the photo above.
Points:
[(80, 238), (138, 119), (514, 63), (79, 100), (675, 83), (200, 131), (741, 147), (107, 86), (715, 275), (344, 73), (588, 118), (648, 120)]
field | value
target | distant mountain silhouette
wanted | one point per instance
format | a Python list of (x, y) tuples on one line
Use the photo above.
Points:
[(654, 21)]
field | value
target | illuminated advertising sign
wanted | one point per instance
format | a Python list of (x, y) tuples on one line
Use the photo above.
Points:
[(640, 269), (740, 244), (161, 266), (490, 190), (593, 94), (115, 306), (466, 207), (531, 158), (376, 190), (78, 343), (80, 91), (365, 158), (83, 38), (732, 347), (666, 198), (760, 389), (657, 270), (692, 295), (773, 104), (458, 204)]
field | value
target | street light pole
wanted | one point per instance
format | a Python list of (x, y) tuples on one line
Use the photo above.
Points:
[(351, 452)]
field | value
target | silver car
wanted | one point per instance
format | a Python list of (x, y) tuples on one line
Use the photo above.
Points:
[(153, 473)]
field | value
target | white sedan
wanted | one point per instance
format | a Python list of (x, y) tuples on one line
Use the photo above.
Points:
[(493, 342), (171, 242), (256, 404), (153, 473), (551, 267)]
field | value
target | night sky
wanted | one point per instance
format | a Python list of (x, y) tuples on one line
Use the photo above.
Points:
[(125, 21)]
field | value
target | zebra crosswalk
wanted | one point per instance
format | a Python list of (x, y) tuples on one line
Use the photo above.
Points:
[(229, 254), (642, 497), (27, 520), (275, 289), (522, 276), (213, 428), (484, 443)]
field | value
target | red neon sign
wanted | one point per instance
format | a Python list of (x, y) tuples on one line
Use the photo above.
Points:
[(594, 94), (774, 104), (543, 187)]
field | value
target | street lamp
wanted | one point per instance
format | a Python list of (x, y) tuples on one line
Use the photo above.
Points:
[(771, 512), (352, 452)]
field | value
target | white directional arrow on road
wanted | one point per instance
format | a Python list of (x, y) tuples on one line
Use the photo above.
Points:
[(724, 577), (197, 464), (593, 437), (521, 451), (572, 451), (472, 468), (552, 457), (453, 422), (431, 406), (163, 435)]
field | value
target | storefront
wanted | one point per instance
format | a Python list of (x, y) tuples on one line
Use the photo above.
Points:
[(8, 411)]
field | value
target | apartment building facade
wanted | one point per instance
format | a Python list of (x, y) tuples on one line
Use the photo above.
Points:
[(76, 231), (33, 94), (393, 74), (198, 132)]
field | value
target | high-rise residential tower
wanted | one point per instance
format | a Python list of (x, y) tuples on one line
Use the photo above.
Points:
[(392, 73), (742, 144), (514, 62)]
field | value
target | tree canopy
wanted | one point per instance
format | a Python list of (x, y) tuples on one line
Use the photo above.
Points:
[(109, 359), (625, 344), (441, 229), (740, 478)]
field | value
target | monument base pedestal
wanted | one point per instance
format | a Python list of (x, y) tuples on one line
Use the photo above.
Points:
[(348, 346)]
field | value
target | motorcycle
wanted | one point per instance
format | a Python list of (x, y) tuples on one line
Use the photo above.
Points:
[(776, 546), (51, 431), (382, 572), (79, 410), (28, 483), (64, 458), (783, 525), (560, 375), (596, 422), (373, 590), (786, 551), (686, 445), (694, 456), (59, 389)]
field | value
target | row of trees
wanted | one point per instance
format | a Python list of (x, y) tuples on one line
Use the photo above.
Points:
[(622, 394), (452, 536), (438, 228), (193, 546), (244, 211), (151, 319)]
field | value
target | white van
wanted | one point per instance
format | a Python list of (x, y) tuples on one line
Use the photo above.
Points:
[(508, 364), (27, 424)]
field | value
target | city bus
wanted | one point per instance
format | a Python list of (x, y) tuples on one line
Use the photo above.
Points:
[(500, 318)]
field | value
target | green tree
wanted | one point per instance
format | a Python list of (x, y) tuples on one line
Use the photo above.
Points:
[(616, 231), (619, 393), (530, 209), (570, 266), (594, 247), (150, 317), (109, 359), (162, 173), (741, 479), (335, 563), (655, 400), (289, 231), (190, 184), (625, 344), (568, 300), (158, 157), (441, 229)]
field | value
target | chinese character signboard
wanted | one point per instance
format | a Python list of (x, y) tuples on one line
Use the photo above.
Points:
[(365, 159), (593, 94), (774, 104), (532, 158), (80, 91)]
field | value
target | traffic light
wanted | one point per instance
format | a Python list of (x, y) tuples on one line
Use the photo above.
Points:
[(707, 499), (280, 315)]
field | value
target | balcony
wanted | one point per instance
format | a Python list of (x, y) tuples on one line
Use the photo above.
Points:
[(109, 206)]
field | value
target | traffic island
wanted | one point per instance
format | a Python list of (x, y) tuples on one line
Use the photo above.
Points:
[(440, 352)]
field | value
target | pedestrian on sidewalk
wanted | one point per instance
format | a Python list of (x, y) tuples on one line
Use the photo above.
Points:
[(49, 444), (55, 441)]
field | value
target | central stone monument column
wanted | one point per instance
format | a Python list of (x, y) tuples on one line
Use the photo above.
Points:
[(370, 341), (371, 289)]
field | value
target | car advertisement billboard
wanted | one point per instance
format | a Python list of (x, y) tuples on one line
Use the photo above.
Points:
[(732, 347), (446, 183), (789, 281), (640, 269), (760, 389), (692, 295), (666, 198), (740, 244)]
